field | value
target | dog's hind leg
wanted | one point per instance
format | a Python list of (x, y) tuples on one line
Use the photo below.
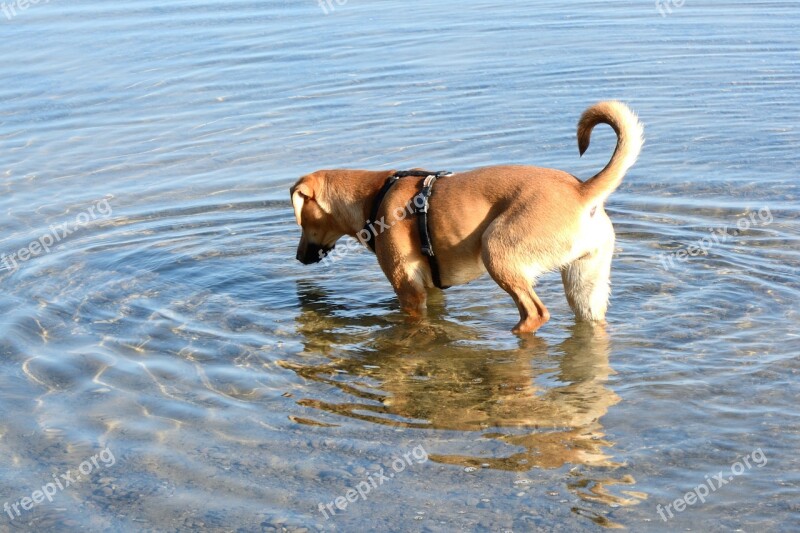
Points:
[(587, 282), (516, 282), (532, 312)]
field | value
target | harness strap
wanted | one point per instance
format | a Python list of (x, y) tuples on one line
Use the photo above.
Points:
[(376, 205), (421, 204), (421, 208)]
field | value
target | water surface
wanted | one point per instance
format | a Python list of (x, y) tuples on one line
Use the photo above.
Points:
[(238, 390)]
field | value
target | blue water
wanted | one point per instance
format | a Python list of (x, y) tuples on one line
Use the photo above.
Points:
[(238, 390)]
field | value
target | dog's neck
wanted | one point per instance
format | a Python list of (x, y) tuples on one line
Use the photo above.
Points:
[(352, 196)]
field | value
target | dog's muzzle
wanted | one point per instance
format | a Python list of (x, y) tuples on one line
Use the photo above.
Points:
[(309, 254)]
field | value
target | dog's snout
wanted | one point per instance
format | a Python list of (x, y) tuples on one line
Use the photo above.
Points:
[(310, 253), (301, 256)]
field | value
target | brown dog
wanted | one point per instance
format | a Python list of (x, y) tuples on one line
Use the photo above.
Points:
[(516, 222)]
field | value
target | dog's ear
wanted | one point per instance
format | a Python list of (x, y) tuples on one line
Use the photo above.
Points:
[(301, 193), (310, 188)]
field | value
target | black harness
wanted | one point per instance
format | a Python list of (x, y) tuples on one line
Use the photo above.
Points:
[(421, 203)]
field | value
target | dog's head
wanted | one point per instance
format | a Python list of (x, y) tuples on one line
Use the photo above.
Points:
[(314, 215)]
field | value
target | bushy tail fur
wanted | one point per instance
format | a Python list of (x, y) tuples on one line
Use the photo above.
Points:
[(629, 143)]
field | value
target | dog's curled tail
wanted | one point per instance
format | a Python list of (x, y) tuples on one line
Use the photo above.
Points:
[(629, 143)]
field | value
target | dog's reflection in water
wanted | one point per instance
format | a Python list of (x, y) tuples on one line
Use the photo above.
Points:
[(544, 401)]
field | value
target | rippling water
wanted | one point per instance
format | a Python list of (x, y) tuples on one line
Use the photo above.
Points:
[(150, 147)]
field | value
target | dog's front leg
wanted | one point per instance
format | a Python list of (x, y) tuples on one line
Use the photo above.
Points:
[(409, 286), (404, 269), (413, 296), (412, 300)]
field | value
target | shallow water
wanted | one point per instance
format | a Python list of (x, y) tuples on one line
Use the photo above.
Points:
[(237, 390)]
